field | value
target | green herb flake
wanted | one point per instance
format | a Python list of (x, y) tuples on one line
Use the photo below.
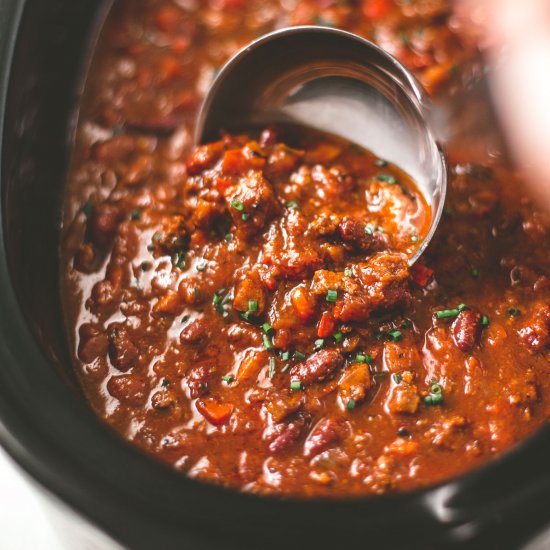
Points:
[(462, 307), (135, 214), (332, 295), (397, 378), (350, 405), (237, 205), (268, 343), (228, 378), (485, 321), (446, 313), (285, 355), (245, 217), (386, 178), (338, 337), (295, 385), (319, 343), (514, 312), (380, 163), (285, 368), (271, 371), (179, 260), (348, 272), (246, 316), (299, 356), (369, 229), (228, 237), (415, 239), (252, 305), (435, 397), (293, 205), (395, 335), (406, 324), (474, 273), (268, 329)]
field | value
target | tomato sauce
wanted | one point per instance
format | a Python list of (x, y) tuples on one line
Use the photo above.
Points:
[(246, 312)]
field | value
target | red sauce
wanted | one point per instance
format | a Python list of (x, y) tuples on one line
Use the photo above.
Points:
[(246, 311)]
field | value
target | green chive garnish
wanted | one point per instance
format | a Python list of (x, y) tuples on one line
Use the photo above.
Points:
[(369, 229), (299, 356), (252, 305), (293, 205), (319, 343), (338, 337), (295, 385), (350, 405), (446, 313), (387, 178), (395, 335), (237, 205), (135, 214), (332, 295)]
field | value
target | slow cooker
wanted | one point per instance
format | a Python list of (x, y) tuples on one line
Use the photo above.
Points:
[(103, 492)]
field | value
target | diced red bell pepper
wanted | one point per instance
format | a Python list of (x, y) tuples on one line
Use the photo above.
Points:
[(326, 325), (421, 274)]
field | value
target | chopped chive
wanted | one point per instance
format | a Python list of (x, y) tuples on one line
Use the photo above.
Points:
[(245, 217), (228, 378), (252, 305), (268, 344), (338, 337), (474, 273), (319, 343), (462, 307), (446, 313), (135, 214), (179, 260), (363, 358), (369, 229), (184, 319), (295, 385), (414, 239), (228, 236), (380, 229), (348, 272), (380, 163), (246, 316), (201, 265), (485, 321), (292, 205), (397, 378), (406, 323), (387, 178), (271, 372), (435, 388), (285, 356), (350, 405), (395, 335), (237, 205), (332, 295), (299, 356), (216, 299), (514, 311), (285, 368), (433, 399), (267, 328)]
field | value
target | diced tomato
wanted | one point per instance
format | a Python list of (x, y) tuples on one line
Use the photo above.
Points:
[(222, 184), (421, 274), (302, 303), (167, 18), (234, 162), (326, 325), (216, 413), (376, 9), (170, 68)]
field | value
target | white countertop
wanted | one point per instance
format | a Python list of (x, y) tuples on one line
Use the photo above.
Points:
[(23, 523)]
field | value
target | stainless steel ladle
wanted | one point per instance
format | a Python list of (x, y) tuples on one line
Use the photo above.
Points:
[(337, 82)]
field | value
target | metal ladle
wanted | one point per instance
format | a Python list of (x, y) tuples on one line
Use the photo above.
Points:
[(337, 82)]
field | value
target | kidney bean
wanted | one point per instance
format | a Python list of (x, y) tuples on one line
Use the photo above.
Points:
[(317, 366), (122, 351), (286, 434), (325, 433), (467, 330)]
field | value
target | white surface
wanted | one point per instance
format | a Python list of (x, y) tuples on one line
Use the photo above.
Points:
[(23, 524)]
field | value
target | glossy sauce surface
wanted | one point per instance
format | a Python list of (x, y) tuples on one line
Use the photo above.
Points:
[(246, 312)]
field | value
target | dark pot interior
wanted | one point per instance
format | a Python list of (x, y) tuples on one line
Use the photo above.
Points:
[(49, 430)]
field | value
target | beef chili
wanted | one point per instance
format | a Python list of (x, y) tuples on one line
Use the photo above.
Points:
[(245, 311)]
